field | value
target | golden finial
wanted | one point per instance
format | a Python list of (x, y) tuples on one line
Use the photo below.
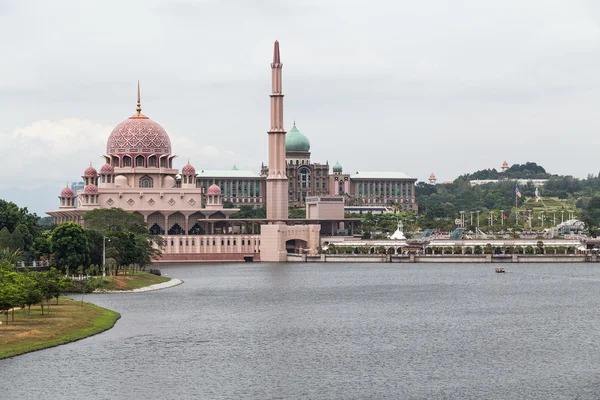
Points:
[(138, 109), (139, 104)]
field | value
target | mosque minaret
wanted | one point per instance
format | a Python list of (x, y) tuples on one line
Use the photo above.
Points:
[(277, 181)]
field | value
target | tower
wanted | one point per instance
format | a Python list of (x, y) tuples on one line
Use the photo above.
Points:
[(277, 181), (432, 178)]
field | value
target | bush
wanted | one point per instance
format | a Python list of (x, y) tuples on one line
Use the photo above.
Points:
[(155, 272)]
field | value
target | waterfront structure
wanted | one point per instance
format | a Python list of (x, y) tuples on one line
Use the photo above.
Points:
[(186, 207)]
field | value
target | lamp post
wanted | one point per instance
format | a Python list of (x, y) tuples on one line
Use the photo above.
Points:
[(541, 212), (502, 217), (477, 223), (471, 212), (491, 217), (104, 255)]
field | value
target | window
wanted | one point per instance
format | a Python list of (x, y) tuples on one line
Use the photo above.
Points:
[(163, 162), (304, 178), (139, 161), (146, 182), (152, 161), (127, 161)]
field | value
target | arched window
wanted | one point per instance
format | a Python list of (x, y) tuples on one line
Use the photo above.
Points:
[(126, 161), (304, 177), (139, 161), (163, 162), (146, 182), (152, 161)]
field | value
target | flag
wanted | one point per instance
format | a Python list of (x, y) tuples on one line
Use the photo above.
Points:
[(517, 190)]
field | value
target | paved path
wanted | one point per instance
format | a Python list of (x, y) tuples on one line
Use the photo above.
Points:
[(157, 286)]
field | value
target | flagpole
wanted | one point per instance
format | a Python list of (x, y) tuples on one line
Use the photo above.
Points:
[(516, 207)]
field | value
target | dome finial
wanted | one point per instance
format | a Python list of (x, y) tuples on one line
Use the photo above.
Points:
[(139, 104), (138, 109)]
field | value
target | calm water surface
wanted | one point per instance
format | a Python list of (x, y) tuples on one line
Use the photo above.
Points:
[(329, 331)]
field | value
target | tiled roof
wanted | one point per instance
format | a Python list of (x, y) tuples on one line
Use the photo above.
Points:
[(227, 173), (380, 175)]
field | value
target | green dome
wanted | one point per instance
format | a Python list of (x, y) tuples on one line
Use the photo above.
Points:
[(296, 141), (337, 167)]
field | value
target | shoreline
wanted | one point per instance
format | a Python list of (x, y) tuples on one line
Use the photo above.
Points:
[(104, 319), (446, 258), (172, 282)]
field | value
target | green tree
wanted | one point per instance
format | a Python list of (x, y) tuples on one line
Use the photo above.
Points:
[(105, 220), (128, 239), (11, 289), (32, 292), (40, 248), (5, 239), (69, 245)]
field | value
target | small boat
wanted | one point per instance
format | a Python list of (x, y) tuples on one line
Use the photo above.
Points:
[(500, 270)]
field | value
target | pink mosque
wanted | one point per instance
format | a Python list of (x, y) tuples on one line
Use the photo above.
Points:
[(138, 176)]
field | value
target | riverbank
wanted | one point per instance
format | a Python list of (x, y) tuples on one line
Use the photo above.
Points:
[(170, 283), (446, 258), (133, 281), (68, 321)]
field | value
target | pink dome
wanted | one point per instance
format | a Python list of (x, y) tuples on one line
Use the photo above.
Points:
[(67, 192), (90, 189), (213, 189), (90, 172), (138, 135), (107, 169), (188, 170)]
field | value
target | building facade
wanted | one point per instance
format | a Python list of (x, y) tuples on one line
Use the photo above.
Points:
[(237, 186), (375, 188)]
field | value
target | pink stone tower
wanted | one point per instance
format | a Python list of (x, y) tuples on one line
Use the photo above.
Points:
[(277, 181)]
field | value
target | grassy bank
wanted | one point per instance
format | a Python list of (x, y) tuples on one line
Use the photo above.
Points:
[(68, 321), (131, 281)]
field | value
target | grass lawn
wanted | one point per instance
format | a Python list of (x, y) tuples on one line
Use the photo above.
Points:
[(131, 281), (68, 321)]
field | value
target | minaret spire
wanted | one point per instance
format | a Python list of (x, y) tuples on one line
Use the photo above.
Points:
[(277, 181), (276, 58)]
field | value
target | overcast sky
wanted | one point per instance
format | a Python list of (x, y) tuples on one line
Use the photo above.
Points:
[(414, 86)]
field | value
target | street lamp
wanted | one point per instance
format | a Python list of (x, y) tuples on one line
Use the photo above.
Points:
[(104, 255), (491, 216), (502, 217)]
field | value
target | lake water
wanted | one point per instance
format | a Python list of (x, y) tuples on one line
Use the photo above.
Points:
[(330, 331)]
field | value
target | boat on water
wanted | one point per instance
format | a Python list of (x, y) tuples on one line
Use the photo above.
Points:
[(500, 270)]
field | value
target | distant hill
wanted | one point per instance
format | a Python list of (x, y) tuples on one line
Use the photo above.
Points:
[(529, 170)]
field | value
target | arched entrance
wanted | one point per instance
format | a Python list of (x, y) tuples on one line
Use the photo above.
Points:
[(295, 246)]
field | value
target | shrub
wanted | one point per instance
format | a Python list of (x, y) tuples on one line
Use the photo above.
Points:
[(155, 272)]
